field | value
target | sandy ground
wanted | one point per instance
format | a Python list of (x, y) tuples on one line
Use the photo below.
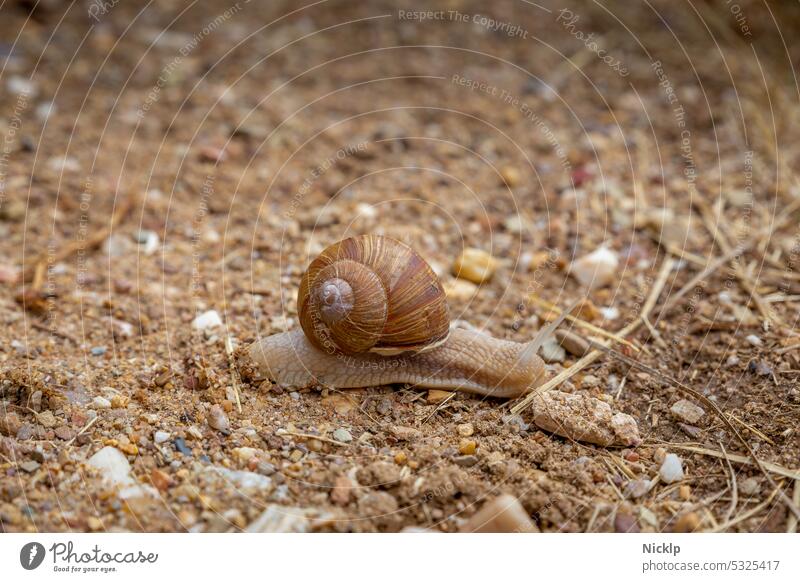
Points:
[(163, 161)]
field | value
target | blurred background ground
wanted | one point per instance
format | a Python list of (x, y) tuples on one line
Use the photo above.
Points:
[(165, 160)]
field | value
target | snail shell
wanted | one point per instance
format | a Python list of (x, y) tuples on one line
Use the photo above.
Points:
[(372, 293)]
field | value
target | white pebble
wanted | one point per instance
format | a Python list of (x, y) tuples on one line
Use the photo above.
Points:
[(687, 411), (671, 469), (160, 436), (116, 472), (22, 86), (552, 352), (207, 320), (342, 435), (609, 313), (597, 269), (100, 402), (754, 340)]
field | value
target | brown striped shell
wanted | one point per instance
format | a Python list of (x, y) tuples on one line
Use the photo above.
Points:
[(372, 293)]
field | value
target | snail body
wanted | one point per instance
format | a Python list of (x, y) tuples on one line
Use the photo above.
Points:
[(373, 312)]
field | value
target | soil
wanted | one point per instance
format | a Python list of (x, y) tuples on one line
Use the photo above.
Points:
[(231, 142)]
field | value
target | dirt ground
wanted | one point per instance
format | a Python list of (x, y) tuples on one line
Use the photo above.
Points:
[(164, 160)]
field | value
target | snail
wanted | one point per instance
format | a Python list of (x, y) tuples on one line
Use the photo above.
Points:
[(373, 312)]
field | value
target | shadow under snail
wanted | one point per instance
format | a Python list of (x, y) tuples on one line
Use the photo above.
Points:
[(373, 312)]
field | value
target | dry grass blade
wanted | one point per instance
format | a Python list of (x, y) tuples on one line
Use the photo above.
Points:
[(740, 459), (748, 514)]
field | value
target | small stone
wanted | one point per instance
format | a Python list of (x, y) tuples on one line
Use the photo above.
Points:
[(342, 435), (99, 350), (406, 433), (207, 320), (94, 523), (342, 490), (687, 411), (116, 472), (9, 423), (503, 514), (265, 468), (590, 381), (692, 431), (671, 469), (759, 367), (149, 241), (687, 523), (160, 480), (160, 437), (625, 523), (510, 175), (119, 401), (475, 265), (597, 269), (637, 488), (296, 455), (64, 432), (572, 342), (194, 433), (400, 458), (241, 479), (46, 419), (749, 486), (648, 517), (552, 352), (466, 429), (100, 402), (180, 446), (19, 85), (467, 447), (29, 466), (10, 515), (244, 454), (217, 419), (754, 340), (732, 361), (437, 396), (685, 492), (459, 289), (466, 460)]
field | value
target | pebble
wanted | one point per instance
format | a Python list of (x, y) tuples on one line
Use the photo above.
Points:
[(466, 429), (625, 523), (754, 340), (100, 402), (46, 419), (465, 460), (217, 419), (475, 265), (194, 433), (207, 320), (160, 437), (99, 350), (29, 466), (342, 435), (437, 396), (94, 523), (572, 342), (244, 454), (638, 488), (590, 381), (503, 514), (21, 86), (116, 471), (64, 432), (685, 492), (671, 469), (161, 480), (342, 490), (552, 352), (467, 447), (459, 289), (180, 446), (241, 479), (687, 411), (406, 433), (760, 368), (149, 241), (597, 269), (686, 523), (732, 361), (749, 486)]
